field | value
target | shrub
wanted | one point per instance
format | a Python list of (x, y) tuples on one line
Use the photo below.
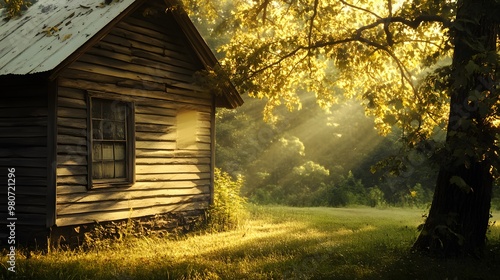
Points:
[(228, 208), (376, 197)]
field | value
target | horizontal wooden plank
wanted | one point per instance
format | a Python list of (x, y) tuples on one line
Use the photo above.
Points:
[(175, 89), (82, 189), (159, 66), (119, 195), (28, 191), (71, 103), (23, 121), (151, 136), (166, 169), (170, 184), (24, 152), (143, 109), (71, 159), (71, 131), (159, 32), (137, 53), (22, 162), (154, 119), (71, 170), (116, 65), (85, 84), (23, 112), (203, 139), (24, 141), (155, 145), (24, 201), (68, 189), (159, 128), (144, 153), (31, 181), (199, 147), (76, 219), (204, 131), (71, 149), (166, 160), (73, 179), (22, 171), (107, 206), (72, 113), (167, 177), (70, 122), (24, 131), (66, 139), (150, 37), (137, 20), (124, 42), (76, 94)]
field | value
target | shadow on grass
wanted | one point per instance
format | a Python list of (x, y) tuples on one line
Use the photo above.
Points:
[(300, 247)]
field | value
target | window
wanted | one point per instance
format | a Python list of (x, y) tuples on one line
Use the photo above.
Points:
[(111, 156)]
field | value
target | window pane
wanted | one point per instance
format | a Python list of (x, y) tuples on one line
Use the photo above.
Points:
[(119, 169), (120, 111), (97, 152), (108, 170), (97, 170), (96, 109), (120, 131), (97, 130), (107, 111), (119, 151), (107, 130), (107, 151)]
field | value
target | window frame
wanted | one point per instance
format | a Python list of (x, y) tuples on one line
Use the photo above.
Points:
[(129, 142)]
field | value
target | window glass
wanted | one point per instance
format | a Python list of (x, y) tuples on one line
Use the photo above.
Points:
[(109, 140)]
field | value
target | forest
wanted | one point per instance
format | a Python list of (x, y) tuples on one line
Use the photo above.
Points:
[(315, 157)]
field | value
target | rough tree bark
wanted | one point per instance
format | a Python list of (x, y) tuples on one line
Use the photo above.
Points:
[(458, 219)]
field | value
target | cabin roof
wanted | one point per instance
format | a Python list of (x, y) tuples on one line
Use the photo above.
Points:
[(51, 32)]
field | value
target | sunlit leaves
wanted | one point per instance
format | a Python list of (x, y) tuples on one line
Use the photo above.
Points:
[(362, 49)]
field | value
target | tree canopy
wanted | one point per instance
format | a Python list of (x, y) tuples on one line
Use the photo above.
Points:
[(377, 51)]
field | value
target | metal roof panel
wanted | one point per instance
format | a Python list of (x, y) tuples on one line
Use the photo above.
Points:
[(50, 31)]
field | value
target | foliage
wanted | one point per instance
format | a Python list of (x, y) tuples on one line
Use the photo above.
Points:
[(275, 243), (227, 210), (280, 48), (302, 158), (14, 8)]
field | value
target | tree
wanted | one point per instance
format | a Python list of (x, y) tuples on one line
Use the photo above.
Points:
[(395, 57)]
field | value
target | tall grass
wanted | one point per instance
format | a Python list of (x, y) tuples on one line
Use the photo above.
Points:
[(228, 208), (273, 243)]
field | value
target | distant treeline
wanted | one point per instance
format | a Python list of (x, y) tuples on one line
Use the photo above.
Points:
[(316, 158)]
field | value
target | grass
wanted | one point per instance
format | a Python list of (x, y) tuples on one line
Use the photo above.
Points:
[(274, 243)]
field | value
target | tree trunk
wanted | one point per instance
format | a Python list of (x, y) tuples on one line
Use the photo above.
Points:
[(459, 214)]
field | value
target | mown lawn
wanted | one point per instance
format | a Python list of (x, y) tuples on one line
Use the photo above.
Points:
[(274, 243)]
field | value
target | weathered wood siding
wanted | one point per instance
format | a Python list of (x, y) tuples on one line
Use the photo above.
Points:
[(23, 146), (142, 62)]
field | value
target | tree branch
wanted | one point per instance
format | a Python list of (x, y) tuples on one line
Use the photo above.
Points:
[(359, 8), (357, 37)]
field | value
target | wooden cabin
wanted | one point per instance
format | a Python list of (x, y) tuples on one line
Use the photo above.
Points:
[(101, 117)]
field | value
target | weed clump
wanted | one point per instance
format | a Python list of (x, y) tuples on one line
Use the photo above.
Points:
[(228, 208)]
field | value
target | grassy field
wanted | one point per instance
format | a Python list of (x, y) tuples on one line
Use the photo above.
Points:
[(274, 243)]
